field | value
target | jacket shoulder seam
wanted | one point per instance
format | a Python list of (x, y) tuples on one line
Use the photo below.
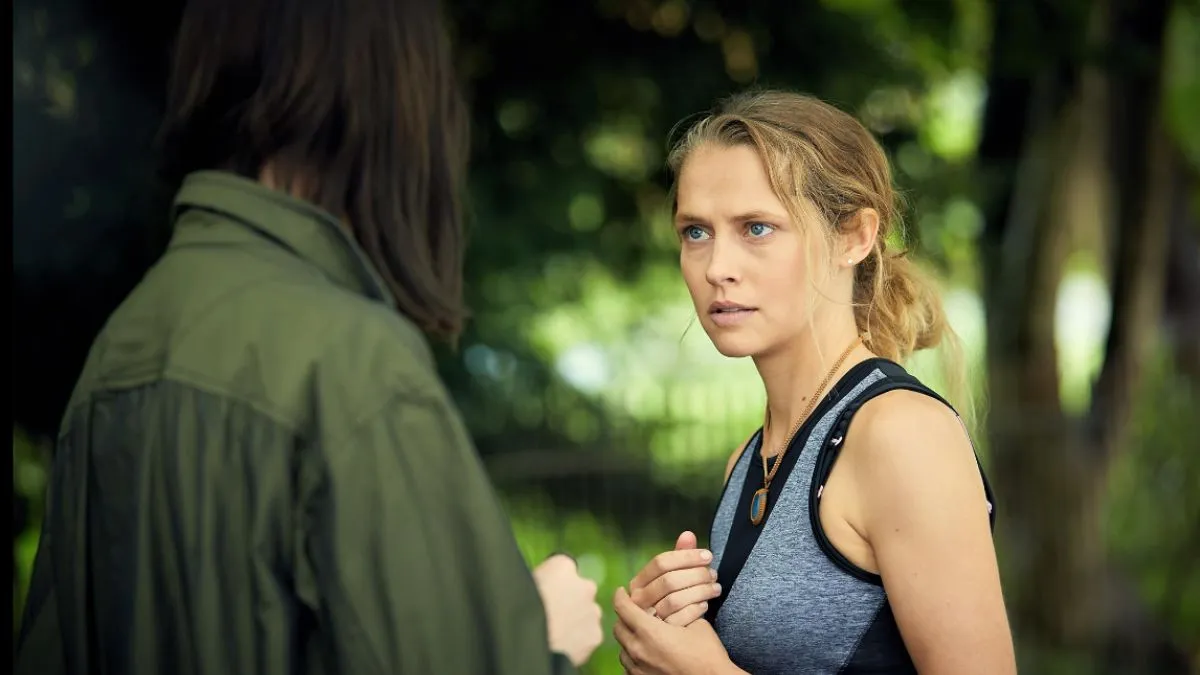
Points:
[(186, 378)]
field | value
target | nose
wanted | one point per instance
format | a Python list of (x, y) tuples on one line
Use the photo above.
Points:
[(722, 262)]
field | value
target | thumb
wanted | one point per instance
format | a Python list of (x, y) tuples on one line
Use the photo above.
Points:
[(686, 540)]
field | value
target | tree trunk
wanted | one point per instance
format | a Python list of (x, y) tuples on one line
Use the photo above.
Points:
[(1079, 142), (1025, 247), (1182, 298)]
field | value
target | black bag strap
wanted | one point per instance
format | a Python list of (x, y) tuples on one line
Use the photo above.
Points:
[(895, 377)]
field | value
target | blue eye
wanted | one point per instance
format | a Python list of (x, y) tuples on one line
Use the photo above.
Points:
[(760, 229), (693, 233)]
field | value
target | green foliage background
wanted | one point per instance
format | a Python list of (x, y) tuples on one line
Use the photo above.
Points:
[(603, 418)]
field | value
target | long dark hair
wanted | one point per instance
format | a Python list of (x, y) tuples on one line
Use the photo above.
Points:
[(355, 104)]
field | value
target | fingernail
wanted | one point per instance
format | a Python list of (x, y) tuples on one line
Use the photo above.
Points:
[(713, 573), (717, 589), (706, 555)]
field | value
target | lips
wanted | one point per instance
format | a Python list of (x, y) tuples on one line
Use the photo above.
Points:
[(728, 308), (729, 314)]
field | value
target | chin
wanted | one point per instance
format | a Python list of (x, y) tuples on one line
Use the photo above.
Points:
[(734, 351), (735, 346)]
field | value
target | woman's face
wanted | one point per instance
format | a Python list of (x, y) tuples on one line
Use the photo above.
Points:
[(746, 264)]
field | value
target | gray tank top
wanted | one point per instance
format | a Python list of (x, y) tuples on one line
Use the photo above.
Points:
[(791, 603)]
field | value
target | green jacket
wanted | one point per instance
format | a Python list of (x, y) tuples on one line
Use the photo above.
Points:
[(260, 472)]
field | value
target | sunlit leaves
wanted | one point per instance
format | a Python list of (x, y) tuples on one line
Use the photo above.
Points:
[(1154, 499), (670, 18), (1182, 86), (709, 25), (30, 463), (1082, 315), (952, 114), (585, 212), (889, 108), (621, 149), (515, 117), (605, 554), (740, 60)]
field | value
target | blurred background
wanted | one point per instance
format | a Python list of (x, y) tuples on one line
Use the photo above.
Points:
[(1050, 156)]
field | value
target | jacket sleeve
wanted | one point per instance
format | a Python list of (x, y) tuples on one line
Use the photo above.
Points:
[(409, 560)]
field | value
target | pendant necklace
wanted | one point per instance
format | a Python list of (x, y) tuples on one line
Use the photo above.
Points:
[(758, 502)]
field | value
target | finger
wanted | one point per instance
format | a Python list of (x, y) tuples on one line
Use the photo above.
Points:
[(687, 615), (673, 582), (635, 618), (560, 559), (676, 601), (623, 635), (627, 663), (686, 541), (671, 561)]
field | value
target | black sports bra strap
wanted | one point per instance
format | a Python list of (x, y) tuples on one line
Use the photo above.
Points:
[(895, 378)]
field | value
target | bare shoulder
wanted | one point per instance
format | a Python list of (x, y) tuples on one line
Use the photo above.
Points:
[(923, 510), (904, 442), (909, 421)]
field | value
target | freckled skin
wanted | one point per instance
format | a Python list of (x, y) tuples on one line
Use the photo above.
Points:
[(739, 245)]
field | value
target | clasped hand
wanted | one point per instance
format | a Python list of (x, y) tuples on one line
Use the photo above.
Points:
[(660, 624)]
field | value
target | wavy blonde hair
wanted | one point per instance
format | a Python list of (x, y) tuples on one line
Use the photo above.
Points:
[(825, 167)]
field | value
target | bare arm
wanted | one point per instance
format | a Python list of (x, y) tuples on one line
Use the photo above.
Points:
[(925, 516)]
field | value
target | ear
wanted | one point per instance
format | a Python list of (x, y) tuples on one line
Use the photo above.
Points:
[(858, 237)]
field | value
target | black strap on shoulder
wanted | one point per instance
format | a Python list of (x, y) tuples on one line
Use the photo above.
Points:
[(742, 537), (895, 377)]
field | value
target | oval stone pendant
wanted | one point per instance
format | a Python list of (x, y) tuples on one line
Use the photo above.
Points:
[(758, 506)]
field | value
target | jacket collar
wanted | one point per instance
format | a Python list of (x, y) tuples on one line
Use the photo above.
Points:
[(301, 228)]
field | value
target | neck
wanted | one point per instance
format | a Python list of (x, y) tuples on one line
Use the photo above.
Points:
[(792, 374)]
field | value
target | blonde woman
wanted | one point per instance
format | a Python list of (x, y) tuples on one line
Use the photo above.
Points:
[(854, 531)]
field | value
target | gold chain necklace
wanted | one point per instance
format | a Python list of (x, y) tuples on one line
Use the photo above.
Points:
[(758, 502)]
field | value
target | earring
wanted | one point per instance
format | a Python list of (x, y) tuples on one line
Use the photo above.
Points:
[(849, 261)]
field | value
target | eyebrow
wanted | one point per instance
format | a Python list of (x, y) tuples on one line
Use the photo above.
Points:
[(742, 218)]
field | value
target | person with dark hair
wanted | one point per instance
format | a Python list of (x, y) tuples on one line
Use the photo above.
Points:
[(259, 470)]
